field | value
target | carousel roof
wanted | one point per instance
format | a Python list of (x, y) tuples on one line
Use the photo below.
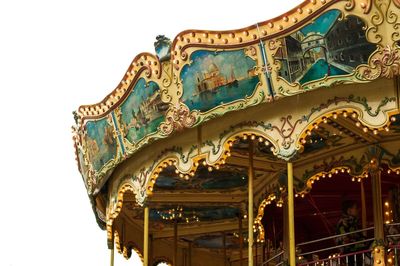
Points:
[(317, 85)]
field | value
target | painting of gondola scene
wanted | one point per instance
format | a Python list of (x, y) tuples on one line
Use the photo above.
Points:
[(101, 144), (216, 78), (143, 111), (329, 46)]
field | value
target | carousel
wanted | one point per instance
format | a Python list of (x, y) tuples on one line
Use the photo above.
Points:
[(241, 147)]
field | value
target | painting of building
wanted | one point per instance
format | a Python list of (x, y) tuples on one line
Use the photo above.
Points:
[(326, 47), (143, 110), (101, 144), (217, 78)]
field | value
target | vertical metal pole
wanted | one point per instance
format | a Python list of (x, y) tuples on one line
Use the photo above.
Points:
[(377, 204), (292, 249), (112, 256), (363, 208), (240, 240), (379, 250), (250, 201), (175, 242), (146, 237)]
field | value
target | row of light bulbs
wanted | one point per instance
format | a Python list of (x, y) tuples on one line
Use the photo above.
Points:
[(346, 114)]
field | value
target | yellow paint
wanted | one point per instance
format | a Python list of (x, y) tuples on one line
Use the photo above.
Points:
[(292, 249), (250, 206), (146, 237)]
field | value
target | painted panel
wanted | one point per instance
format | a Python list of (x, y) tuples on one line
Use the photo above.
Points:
[(215, 78), (143, 111), (329, 46), (101, 144)]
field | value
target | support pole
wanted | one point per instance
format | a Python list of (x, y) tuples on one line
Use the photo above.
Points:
[(292, 249), (112, 256), (240, 240), (146, 237), (250, 206), (175, 242), (379, 243), (363, 208)]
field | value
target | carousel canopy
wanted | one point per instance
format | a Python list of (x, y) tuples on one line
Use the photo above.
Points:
[(317, 86)]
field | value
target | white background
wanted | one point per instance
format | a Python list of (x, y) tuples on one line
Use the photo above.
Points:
[(55, 56)]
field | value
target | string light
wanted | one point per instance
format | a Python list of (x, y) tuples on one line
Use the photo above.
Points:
[(178, 214)]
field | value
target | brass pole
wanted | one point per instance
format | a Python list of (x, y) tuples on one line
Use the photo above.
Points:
[(240, 240), (363, 208), (250, 206), (112, 257), (292, 249), (379, 250), (377, 205), (146, 237), (175, 242)]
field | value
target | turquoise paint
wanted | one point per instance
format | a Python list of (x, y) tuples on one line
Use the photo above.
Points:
[(320, 69), (267, 75), (216, 78), (102, 146), (322, 24), (118, 133), (142, 111)]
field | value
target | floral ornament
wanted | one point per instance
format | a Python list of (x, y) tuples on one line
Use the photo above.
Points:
[(139, 186), (177, 118), (384, 63)]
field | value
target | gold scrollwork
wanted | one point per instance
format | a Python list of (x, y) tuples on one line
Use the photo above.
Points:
[(383, 63), (177, 118)]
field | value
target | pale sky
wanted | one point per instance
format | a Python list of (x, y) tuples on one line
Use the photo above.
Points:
[(54, 56)]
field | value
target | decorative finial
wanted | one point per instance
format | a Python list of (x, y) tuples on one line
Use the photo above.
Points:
[(163, 48)]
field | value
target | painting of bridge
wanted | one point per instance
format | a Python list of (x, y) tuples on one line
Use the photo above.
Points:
[(329, 46)]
